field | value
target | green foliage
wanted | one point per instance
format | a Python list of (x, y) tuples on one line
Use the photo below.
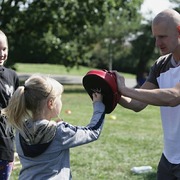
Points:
[(49, 31), (142, 50), (101, 34), (67, 32), (110, 47)]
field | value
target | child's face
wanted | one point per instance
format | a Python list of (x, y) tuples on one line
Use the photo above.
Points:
[(57, 105), (3, 49)]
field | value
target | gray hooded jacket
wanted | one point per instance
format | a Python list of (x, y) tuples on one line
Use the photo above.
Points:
[(44, 148)]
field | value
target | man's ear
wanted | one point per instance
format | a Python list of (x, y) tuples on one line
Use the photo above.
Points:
[(178, 28), (50, 104)]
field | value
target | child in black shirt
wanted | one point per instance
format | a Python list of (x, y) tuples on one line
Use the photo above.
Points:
[(8, 84)]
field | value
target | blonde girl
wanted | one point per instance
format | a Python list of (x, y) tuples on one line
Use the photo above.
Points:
[(42, 144)]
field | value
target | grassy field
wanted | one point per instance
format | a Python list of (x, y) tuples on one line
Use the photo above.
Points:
[(56, 69), (128, 139)]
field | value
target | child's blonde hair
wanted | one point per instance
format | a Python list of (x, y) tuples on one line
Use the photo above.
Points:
[(29, 99), (3, 34)]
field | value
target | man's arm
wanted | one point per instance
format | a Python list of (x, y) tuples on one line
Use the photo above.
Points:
[(157, 97), (138, 99), (135, 104)]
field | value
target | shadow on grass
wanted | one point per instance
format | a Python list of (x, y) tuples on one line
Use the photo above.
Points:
[(147, 176), (151, 176)]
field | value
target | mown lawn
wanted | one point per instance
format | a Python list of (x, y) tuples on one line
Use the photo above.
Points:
[(132, 139), (56, 69), (128, 139)]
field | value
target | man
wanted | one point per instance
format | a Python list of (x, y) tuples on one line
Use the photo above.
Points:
[(162, 88)]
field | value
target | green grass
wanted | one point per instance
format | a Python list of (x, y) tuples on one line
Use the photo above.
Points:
[(129, 140), (132, 139), (56, 69)]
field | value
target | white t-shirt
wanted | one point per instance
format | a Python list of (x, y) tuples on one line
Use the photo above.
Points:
[(166, 74)]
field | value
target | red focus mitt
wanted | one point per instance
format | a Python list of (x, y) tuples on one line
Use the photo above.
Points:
[(105, 81)]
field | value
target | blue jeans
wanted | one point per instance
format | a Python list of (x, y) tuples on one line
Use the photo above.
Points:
[(5, 169)]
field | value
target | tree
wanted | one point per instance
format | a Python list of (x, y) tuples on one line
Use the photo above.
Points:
[(64, 32), (9, 11), (142, 50), (112, 38)]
